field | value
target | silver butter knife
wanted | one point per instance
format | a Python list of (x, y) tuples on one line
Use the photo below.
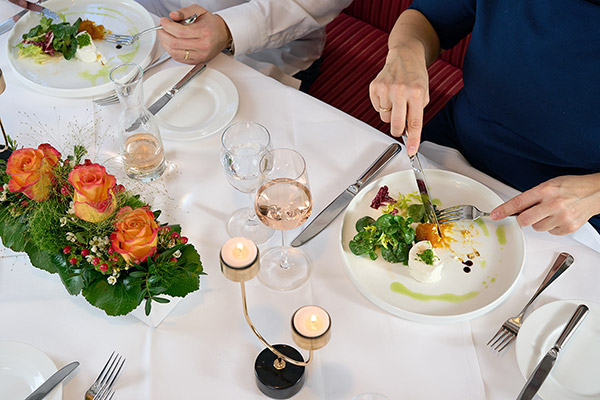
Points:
[(167, 97), (54, 380), (341, 202), (423, 190), (9, 23), (544, 367), (35, 8)]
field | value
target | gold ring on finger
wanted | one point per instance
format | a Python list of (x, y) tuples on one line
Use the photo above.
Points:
[(187, 55), (385, 109)]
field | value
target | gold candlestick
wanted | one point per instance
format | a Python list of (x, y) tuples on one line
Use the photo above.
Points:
[(279, 369)]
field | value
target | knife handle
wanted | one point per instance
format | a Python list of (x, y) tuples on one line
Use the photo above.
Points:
[(188, 77), (573, 323), (378, 164)]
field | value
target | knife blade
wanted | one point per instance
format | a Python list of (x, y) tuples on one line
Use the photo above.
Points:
[(541, 372), (167, 97), (423, 189), (54, 380), (341, 202), (35, 8)]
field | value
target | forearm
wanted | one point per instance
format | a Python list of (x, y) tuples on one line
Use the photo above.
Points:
[(414, 32)]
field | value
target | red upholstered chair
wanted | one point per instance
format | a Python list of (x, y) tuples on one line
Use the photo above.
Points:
[(355, 53)]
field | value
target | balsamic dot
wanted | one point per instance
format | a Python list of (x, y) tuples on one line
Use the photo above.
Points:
[(468, 262), (119, 46), (467, 269)]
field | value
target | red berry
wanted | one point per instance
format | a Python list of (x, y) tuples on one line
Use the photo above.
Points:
[(103, 267), (67, 249), (120, 188), (87, 161), (85, 252), (115, 259), (110, 250), (173, 259), (184, 239), (174, 235), (73, 261), (64, 191), (96, 261)]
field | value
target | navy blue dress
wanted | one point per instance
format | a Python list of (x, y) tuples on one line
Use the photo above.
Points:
[(530, 107)]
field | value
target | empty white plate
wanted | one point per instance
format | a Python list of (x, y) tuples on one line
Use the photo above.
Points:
[(202, 108), (23, 368)]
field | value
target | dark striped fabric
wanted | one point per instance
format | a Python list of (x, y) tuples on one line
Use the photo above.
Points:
[(355, 53)]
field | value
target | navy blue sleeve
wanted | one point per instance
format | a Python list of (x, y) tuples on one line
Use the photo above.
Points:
[(451, 19)]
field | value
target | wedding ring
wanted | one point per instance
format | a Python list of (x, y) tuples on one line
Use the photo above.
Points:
[(187, 55), (381, 109)]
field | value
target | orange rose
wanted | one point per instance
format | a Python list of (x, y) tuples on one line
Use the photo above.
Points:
[(94, 195), (31, 172), (135, 235)]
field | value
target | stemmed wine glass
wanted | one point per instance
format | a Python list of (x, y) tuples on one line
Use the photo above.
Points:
[(283, 202), (243, 144)]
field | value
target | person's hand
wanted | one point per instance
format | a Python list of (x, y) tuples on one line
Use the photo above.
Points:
[(400, 92), (560, 205), (197, 42)]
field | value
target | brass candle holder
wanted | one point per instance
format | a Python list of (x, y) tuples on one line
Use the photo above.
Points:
[(279, 369), (4, 151)]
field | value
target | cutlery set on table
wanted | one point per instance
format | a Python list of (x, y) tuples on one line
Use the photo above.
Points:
[(101, 389)]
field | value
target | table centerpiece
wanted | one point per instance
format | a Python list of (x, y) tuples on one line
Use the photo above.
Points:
[(72, 218)]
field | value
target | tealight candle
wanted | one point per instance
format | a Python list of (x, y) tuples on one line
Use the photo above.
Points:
[(311, 327), (239, 259), (239, 252)]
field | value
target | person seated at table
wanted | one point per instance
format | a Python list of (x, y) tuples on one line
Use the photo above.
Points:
[(283, 39), (529, 112)]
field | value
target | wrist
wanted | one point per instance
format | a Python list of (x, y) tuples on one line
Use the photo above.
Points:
[(229, 47)]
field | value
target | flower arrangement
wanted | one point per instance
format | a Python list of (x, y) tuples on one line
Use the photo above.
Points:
[(73, 219)]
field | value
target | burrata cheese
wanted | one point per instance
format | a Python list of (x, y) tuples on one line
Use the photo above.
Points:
[(88, 53), (423, 264)]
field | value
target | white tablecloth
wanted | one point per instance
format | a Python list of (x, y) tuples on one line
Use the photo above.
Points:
[(203, 348)]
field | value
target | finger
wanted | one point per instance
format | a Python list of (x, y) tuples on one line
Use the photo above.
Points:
[(187, 12), (516, 205), (414, 127), (545, 224), (398, 120)]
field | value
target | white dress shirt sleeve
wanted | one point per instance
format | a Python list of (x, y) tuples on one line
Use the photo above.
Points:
[(264, 24)]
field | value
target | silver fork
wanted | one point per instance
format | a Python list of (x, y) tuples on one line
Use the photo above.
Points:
[(509, 330), (457, 213), (113, 98), (101, 388), (126, 40)]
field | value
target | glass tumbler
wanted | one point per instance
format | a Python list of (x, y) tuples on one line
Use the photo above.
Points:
[(141, 145)]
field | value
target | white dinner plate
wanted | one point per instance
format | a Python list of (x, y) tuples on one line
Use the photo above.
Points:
[(23, 368), (575, 374), (462, 293), (74, 78), (202, 108)]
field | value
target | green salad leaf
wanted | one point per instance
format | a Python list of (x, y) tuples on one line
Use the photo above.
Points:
[(392, 234)]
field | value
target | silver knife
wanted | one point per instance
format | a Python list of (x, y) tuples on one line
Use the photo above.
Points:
[(54, 380), (342, 201), (544, 367), (423, 190), (165, 98), (9, 23), (35, 8)]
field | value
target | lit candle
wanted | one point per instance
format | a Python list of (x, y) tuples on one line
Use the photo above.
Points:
[(311, 321), (239, 252)]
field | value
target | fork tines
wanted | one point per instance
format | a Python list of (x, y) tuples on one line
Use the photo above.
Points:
[(505, 335), (106, 379), (451, 214), (123, 40)]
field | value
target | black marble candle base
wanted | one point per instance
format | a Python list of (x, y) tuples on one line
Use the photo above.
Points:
[(279, 383)]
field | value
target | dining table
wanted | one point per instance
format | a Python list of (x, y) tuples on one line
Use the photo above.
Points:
[(200, 346)]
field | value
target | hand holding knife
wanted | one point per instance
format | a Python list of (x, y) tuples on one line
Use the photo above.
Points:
[(11, 22), (27, 5)]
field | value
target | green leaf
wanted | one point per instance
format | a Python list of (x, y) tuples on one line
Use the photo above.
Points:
[(116, 299), (161, 300), (363, 222)]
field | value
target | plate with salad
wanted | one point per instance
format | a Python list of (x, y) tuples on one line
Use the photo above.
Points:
[(68, 57), (395, 257)]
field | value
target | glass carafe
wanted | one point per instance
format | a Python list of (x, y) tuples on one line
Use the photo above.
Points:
[(141, 145)]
